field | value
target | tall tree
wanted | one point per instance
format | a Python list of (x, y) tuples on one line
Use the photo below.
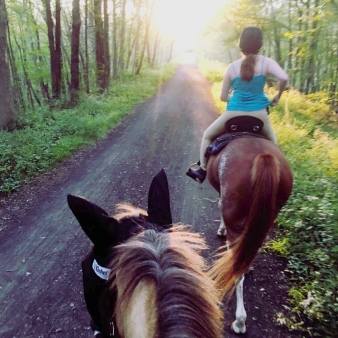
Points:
[(122, 35), (54, 46), (38, 61), (7, 115), (149, 16), (312, 48), (86, 61), (74, 66), (106, 73), (114, 38), (99, 43)]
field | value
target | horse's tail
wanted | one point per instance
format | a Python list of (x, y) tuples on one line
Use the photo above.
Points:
[(232, 264)]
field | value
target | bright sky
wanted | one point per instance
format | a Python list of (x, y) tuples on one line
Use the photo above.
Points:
[(186, 18)]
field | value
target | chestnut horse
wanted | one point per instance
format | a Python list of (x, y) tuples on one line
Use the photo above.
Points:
[(254, 181), (145, 278)]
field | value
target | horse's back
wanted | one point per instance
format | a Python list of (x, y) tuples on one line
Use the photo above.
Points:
[(235, 161), (230, 173)]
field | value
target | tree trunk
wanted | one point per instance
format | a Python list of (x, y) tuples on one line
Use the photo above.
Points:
[(86, 63), (278, 54), (7, 114), (30, 90), (134, 42), (54, 47), (58, 57), (155, 49), (99, 48), (312, 50), (74, 66), (171, 48), (289, 63), (149, 18), (122, 36), (148, 52), (114, 33), (43, 85), (19, 102), (298, 75), (106, 74)]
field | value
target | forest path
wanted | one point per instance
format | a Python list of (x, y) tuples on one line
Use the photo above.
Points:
[(42, 245)]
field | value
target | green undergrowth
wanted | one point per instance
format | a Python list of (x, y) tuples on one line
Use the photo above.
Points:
[(307, 233), (46, 136)]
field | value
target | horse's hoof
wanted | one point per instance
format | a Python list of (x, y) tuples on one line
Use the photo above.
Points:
[(238, 330), (221, 233)]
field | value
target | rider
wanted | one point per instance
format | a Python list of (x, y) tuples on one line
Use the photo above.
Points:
[(246, 77)]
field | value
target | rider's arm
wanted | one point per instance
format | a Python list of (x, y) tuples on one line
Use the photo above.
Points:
[(275, 69), (226, 86)]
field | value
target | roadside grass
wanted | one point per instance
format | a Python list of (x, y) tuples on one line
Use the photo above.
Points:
[(46, 136), (307, 233)]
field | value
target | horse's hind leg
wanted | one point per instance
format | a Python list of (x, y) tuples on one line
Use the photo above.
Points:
[(221, 230), (239, 324)]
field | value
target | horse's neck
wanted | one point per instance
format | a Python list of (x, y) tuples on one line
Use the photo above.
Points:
[(139, 318)]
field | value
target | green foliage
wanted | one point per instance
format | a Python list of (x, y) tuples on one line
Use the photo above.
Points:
[(47, 136), (309, 220), (214, 71), (280, 246), (307, 231), (300, 35)]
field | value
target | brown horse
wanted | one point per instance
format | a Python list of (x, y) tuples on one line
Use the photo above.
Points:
[(254, 181), (145, 278)]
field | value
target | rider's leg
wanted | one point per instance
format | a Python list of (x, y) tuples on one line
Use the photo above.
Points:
[(214, 130), (268, 130)]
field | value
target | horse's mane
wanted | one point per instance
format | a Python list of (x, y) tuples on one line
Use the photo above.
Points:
[(125, 210), (186, 298)]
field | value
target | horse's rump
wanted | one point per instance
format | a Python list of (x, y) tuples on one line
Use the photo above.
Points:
[(254, 181)]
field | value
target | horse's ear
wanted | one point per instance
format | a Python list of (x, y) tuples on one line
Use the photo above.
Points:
[(159, 200), (94, 221)]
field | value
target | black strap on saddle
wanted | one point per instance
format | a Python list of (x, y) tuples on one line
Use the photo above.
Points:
[(237, 127)]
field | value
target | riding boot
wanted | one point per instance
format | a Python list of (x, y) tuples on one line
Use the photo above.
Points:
[(198, 175)]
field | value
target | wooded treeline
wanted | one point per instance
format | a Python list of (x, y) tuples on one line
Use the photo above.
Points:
[(52, 49), (302, 35)]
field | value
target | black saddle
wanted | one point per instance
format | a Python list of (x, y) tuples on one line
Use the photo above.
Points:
[(244, 123), (237, 127)]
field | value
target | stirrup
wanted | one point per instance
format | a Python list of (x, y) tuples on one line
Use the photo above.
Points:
[(198, 175)]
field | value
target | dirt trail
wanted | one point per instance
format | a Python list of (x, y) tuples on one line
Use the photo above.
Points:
[(41, 245)]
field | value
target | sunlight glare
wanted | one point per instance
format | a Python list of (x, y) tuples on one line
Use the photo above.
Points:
[(185, 19)]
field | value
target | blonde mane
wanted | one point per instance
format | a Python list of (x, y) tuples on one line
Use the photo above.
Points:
[(185, 296), (125, 210)]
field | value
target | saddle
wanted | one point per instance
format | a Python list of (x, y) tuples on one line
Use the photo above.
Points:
[(236, 127)]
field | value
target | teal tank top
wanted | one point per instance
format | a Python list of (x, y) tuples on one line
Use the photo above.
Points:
[(248, 95)]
